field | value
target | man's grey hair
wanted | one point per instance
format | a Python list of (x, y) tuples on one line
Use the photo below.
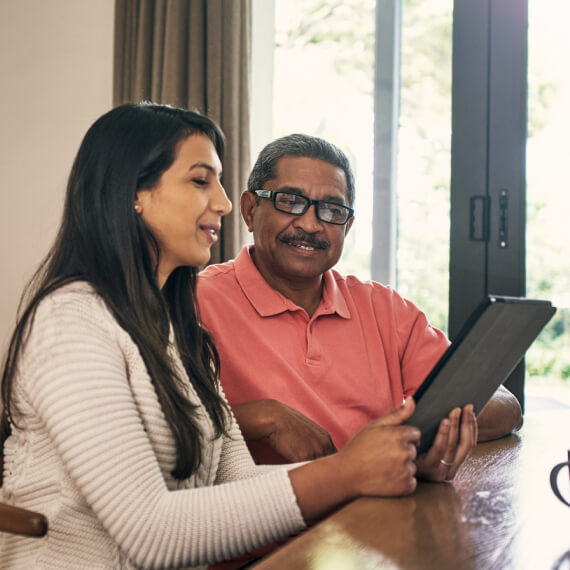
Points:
[(299, 145)]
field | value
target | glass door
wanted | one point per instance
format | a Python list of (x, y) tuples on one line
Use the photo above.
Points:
[(478, 197), (487, 246), (548, 197), (323, 86), (324, 78), (424, 156)]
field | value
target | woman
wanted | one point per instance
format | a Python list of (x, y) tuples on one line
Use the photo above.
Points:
[(114, 425)]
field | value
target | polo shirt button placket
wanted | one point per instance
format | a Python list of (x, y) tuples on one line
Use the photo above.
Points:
[(313, 358)]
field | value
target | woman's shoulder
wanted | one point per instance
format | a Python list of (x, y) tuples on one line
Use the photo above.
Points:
[(73, 290), (73, 301), (68, 318)]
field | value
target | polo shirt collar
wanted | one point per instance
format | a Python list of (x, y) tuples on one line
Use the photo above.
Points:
[(268, 302)]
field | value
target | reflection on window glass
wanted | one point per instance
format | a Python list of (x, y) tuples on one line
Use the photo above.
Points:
[(548, 188)]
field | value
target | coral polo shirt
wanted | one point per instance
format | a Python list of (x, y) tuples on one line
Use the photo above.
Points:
[(364, 349)]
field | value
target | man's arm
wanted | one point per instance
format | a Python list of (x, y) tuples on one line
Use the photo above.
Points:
[(297, 438), (289, 432), (501, 416)]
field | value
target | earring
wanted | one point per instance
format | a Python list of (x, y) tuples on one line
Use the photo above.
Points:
[(138, 208)]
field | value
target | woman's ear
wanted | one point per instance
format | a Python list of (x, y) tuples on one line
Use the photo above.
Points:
[(138, 203), (248, 202)]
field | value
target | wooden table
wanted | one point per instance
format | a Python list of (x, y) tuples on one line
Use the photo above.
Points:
[(498, 513)]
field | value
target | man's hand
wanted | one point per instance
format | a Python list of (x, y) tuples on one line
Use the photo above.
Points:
[(455, 439), (288, 431)]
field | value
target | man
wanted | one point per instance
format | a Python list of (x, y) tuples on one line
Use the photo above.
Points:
[(309, 357)]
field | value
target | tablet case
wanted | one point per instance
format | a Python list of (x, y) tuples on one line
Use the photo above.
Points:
[(489, 346)]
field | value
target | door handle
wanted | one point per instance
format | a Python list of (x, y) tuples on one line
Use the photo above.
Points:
[(503, 218), (479, 218), (479, 207)]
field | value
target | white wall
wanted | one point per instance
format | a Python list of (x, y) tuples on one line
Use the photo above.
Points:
[(55, 80)]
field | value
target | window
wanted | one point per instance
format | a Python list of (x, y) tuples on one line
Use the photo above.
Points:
[(324, 85), (323, 63), (548, 192)]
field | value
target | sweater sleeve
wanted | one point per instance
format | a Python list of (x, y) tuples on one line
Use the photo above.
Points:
[(73, 373), (236, 461)]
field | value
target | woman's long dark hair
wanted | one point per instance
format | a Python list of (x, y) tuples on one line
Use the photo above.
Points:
[(104, 242)]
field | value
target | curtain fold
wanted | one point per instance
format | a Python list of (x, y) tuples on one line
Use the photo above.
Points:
[(193, 54)]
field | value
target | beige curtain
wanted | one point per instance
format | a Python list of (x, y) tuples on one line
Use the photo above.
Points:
[(193, 54)]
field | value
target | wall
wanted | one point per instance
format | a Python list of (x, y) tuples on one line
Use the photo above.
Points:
[(56, 79)]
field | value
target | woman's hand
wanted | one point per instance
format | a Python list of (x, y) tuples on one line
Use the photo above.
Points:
[(378, 461)]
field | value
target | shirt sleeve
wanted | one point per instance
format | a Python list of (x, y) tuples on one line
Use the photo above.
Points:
[(420, 344), (74, 376)]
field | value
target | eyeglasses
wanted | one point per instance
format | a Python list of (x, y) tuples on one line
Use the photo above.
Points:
[(297, 205)]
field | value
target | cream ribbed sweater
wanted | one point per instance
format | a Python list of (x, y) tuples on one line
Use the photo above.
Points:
[(95, 453)]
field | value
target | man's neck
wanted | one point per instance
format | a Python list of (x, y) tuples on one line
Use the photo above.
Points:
[(305, 293)]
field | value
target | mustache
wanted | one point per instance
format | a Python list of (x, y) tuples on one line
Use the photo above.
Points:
[(304, 237)]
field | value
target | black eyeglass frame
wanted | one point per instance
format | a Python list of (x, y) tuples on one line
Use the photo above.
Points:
[(272, 195)]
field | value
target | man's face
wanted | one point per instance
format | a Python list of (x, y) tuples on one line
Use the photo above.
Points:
[(296, 249)]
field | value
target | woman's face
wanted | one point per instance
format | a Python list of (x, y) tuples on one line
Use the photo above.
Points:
[(184, 209)]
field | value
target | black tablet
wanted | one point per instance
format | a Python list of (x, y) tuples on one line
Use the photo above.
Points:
[(489, 346)]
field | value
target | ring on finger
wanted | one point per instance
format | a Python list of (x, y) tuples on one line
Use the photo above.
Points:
[(447, 463)]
